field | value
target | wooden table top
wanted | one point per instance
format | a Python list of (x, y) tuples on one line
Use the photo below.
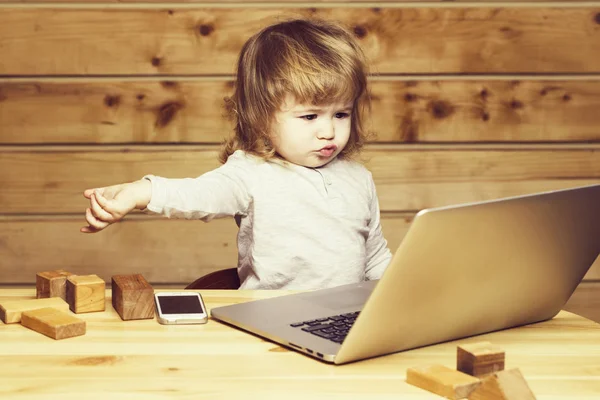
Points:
[(145, 360)]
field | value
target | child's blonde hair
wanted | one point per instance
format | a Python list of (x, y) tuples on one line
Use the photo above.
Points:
[(316, 62)]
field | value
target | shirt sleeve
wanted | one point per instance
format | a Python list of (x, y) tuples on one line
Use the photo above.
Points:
[(378, 254), (222, 192)]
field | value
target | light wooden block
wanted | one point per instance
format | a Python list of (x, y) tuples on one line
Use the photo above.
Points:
[(479, 359), (11, 310), (85, 293), (52, 284), (442, 380), (503, 385), (53, 323), (132, 297)]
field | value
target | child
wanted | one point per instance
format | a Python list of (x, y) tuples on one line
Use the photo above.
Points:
[(308, 216)]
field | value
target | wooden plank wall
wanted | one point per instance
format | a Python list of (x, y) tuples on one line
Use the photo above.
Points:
[(472, 101)]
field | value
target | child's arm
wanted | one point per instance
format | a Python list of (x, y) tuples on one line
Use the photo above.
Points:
[(218, 193), (378, 254), (223, 192)]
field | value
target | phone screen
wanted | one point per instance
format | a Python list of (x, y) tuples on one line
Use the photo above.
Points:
[(180, 305)]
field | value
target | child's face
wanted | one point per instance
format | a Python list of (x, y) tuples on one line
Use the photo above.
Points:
[(311, 135)]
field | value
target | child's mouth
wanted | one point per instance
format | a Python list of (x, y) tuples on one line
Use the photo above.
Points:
[(327, 151)]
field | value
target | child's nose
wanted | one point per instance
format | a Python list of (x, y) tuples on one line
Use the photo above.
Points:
[(327, 131)]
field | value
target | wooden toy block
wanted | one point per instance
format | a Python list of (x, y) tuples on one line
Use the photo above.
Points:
[(132, 297), (53, 323), (11, 310), (479, 359), (503, 385), (85, 293), (442, 380), (52, 284)]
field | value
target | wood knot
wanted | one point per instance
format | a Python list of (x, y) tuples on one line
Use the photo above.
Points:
[(156, 61), (94, 361), (206, 29), (485, 116), (171, 12), (484, 94), (169, 84), (360, 31), (312, 10), (376, 10), (566, 97), (547, 89), (410, 97), (166, 113), (597, 18), (441, 109), (516, 104), (112, 101), (140, 96)]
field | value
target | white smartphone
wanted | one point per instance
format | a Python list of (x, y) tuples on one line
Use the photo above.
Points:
[(180, 308)]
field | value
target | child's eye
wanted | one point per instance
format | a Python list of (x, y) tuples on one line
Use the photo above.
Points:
[(309, 117), (342, 115)]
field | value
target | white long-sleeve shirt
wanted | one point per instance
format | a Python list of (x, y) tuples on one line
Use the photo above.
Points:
[(299, 227)]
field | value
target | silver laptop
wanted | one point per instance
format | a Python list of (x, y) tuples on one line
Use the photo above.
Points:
[(460, 271)]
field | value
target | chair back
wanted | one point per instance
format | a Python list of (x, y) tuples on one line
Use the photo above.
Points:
[(222, 279)]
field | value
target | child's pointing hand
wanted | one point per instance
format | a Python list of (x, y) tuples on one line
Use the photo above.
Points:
[(110, 204)]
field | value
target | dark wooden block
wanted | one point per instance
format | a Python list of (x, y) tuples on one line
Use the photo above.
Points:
[(132, 297), (52, 284), (479, 359)]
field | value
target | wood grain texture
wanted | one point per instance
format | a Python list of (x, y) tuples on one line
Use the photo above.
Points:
[(503, 385), (404, 111), (11, 310), (164, 251), (442, 380), (479, 359), (85, 293), (132, 297), (53, 323), (171, 40), (558, 357), (52, 284), (46, 180)]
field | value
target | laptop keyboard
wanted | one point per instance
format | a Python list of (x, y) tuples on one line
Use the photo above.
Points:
[(334, 328)]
